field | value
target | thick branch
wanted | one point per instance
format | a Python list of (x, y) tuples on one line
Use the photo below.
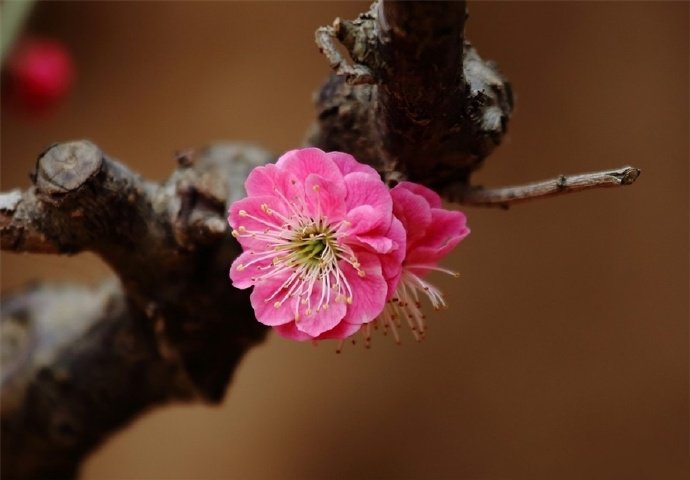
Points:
[(421, 94), (506, 196), (435, 109), (174, 308), (77, 363)]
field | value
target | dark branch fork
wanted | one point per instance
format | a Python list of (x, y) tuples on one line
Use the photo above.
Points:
[(419, 103), (416, 102)]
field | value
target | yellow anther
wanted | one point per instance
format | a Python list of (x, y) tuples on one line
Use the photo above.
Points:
[(361, 273), (240, 267), (277, 304), (243, 213)]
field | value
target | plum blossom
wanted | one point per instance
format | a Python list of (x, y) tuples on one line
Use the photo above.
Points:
[(432, 232), (321, 247)]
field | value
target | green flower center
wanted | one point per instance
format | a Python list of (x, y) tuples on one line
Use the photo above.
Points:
[(310, 244)]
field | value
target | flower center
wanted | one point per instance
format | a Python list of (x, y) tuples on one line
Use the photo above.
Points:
[(308, 253), (311, 243)]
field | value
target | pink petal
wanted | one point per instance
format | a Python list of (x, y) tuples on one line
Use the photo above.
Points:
[(364, 189), (306, 161), (369, 292), (364, 220), (340, 331), (316, 322), (264, 305), (261, 221), (348, 164), (447, 229), (413, 211), (289, 330), (262, 181), (430, 196), (377, 243), (244, 278), (391, 263), (324, 198)]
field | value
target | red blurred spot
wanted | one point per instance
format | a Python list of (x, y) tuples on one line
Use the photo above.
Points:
[(39, 73)]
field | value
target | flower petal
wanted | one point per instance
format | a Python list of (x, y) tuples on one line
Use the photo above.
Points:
[(263, 301), (347, 164), (251, 219), (368, 292), (365, 220), (289, 330), (324, 198), (413, 210), (447, 229), (430, 196), (340, 331), (391, 263), (306, 161), (263, 180), (244, 276), (319, 320), (364, 189)]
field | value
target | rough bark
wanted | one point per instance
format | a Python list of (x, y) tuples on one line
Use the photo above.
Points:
[(416, 102), (79, 363)]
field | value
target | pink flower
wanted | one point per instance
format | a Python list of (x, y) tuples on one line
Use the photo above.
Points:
[(432, 232), (321, 246)]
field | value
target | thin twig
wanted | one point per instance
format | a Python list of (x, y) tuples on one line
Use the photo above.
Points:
[(354, 73), (505, 196)]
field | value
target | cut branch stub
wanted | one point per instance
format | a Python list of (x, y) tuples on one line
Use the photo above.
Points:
[(63, 168)]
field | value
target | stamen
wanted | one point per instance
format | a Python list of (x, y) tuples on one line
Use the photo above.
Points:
[(405, 304)]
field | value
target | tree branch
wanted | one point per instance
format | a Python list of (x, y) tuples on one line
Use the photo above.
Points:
[(431, 110), (77, 363), (89, 356), (416, 102), (505, 196)]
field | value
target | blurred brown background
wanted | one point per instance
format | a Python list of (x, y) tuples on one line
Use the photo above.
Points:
[(565, 352)]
